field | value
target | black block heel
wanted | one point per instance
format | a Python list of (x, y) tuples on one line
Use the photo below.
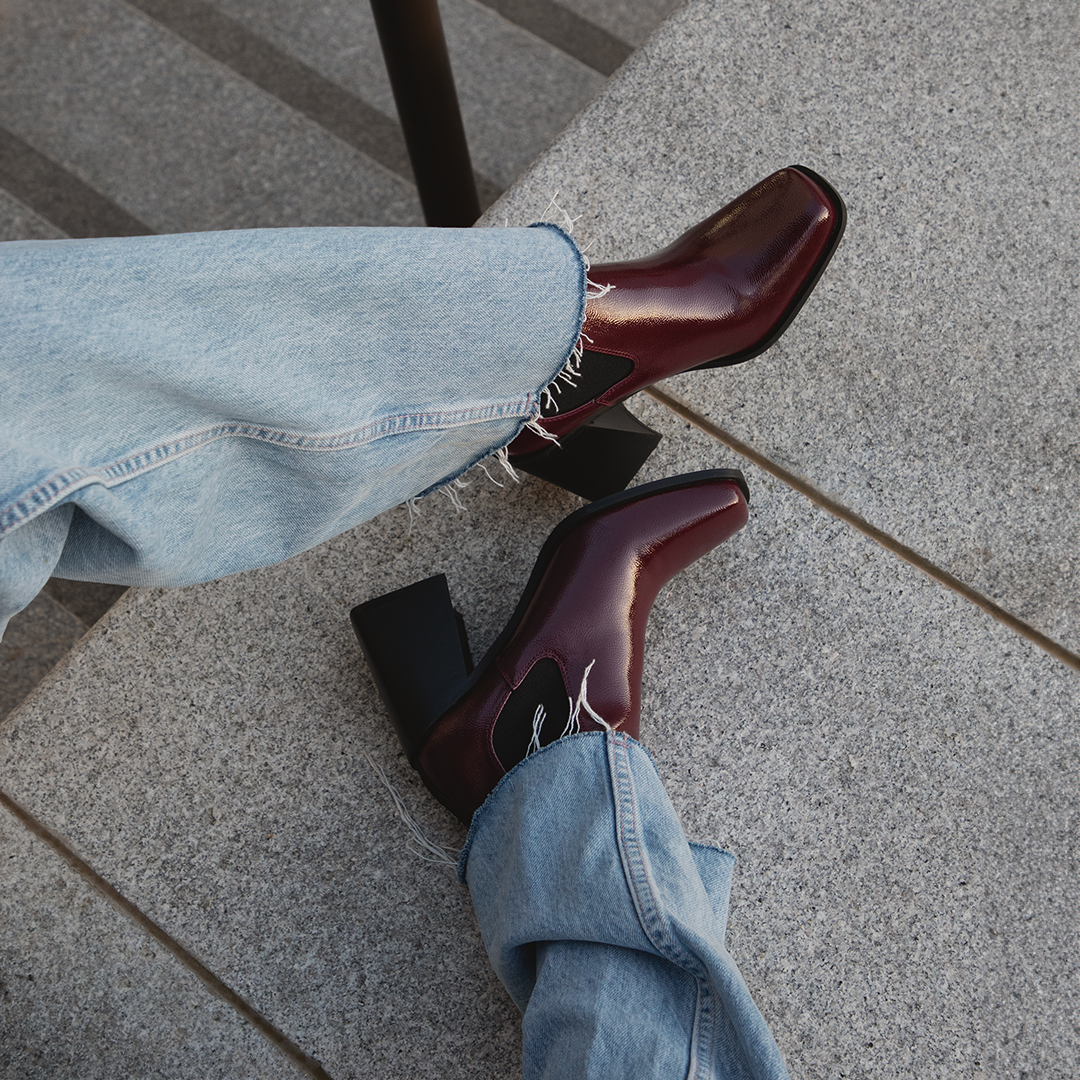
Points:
[(598, 459), (415, 642)]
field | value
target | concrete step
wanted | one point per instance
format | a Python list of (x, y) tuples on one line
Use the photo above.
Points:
[(516, 91), (35, 640), (173, 136), (19, 222), (189, 115)]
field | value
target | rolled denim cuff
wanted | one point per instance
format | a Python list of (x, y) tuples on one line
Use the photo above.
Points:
[(605, 925)]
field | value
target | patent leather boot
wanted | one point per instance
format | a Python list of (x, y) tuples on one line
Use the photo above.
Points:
[(569, 660), (722, 293)]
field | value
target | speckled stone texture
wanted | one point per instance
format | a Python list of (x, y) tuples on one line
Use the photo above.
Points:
[(85, 994), (171, 135), (631, 20), (897, 773), (34, 641), (931, 382), (19, 222), (516, 92)]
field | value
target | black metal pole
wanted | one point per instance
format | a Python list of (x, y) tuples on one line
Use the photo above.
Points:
[(414, 49)]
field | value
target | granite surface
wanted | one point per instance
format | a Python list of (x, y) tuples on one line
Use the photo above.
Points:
[(85, 994), (896, 772), (631, 20), (931, 382), (19, 222), (516, 92), (172, 136), (898, 775), (39, 636), (86, 600)]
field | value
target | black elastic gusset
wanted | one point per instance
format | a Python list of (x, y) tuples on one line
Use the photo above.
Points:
[(599, 372), (513, 730)]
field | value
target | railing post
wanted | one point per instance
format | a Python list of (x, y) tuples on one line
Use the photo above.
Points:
[(414, 48)]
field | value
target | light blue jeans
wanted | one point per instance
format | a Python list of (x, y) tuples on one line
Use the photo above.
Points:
[(179, 408), (606, 926)]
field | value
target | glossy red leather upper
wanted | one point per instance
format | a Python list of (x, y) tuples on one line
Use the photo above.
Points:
[(720, 290), (592, 604)]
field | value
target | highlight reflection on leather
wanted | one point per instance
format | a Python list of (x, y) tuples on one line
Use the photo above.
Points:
[(722, 293), (592, 604), (718, 289)]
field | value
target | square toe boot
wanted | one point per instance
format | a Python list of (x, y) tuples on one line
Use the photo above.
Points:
[(722, 293), (570, 659)]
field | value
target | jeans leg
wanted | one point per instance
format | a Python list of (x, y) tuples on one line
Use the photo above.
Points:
[(180, 408), (606, 926)]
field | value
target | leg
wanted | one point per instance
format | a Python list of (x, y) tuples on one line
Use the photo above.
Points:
[(206, 403), (179, 408), (606, 927)]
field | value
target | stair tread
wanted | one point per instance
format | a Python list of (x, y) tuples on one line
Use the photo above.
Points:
[(36, 639), (19, 222), (516, 92), (171, 135)]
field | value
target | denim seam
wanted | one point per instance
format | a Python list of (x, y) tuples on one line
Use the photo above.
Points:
[(647, 903), (67, 481), (703, 1035), (64, 483), (639, 879)]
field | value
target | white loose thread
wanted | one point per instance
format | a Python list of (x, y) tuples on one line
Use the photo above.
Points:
[(583, 703), (422, 847), (502, 456), (451, 490), (413, 507), (568, 222), (567, 376), (571, 370), (535, 427), (537, 726), (573, 720)]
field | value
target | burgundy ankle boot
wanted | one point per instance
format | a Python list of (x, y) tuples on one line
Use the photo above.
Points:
[(570, 658), (722, 293)]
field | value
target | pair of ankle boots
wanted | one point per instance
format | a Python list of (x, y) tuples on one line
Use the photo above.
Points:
[(570, 659)]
